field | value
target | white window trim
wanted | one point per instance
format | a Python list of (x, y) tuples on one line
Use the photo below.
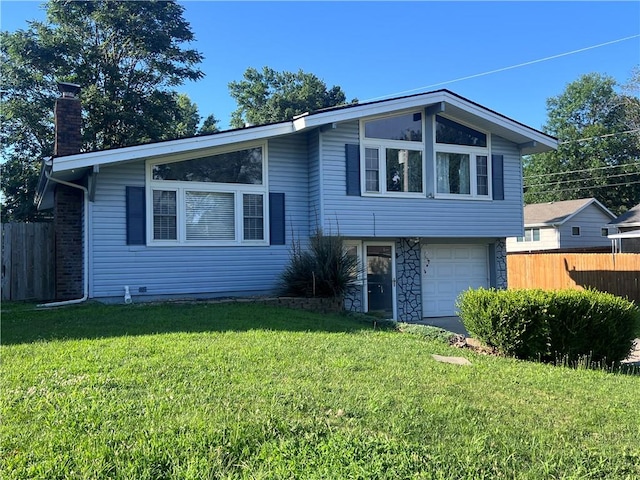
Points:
[(473, 152), (381, 145), (238, 189), (532, 230)]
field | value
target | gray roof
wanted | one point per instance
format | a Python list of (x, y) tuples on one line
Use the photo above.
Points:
[(553, 213), (630, 218)]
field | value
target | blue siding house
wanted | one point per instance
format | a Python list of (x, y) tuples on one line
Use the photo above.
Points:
[(424, 188)]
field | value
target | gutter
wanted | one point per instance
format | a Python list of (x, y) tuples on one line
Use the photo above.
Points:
[(85, 246)]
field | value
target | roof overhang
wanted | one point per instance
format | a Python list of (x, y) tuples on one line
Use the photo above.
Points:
[(43, 199), (528, 139), (169, 147)]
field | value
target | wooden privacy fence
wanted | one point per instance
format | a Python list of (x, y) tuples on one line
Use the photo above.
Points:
[(618, 274), (28, 261)]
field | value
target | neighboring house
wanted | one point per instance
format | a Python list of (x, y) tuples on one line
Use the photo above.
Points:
[(627, 231), (424, 188), (570, 224)]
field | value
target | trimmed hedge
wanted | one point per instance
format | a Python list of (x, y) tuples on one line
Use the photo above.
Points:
[(550, 325)]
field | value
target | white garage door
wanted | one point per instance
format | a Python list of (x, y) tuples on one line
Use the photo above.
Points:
[(448, 270)]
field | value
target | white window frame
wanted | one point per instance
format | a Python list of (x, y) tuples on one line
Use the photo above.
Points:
[(531, 231), (381, 145), (473, 153), (181, 187)]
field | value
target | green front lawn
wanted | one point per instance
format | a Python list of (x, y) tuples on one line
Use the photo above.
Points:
[(245, 391)]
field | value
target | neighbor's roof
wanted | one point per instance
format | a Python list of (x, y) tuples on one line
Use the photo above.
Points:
[(556, 213), (631, 218)]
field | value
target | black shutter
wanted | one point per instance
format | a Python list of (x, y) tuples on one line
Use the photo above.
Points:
[(497, 176), (276, 219), (352, 153), (136, 216)]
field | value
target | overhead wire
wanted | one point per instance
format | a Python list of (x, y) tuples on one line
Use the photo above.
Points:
[(615, 134), (579, 180), (581, 170), (498, 70), (587, 188)]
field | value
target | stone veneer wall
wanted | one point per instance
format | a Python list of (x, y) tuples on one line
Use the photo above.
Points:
[(408, 280), (501, 263), (353, 299)]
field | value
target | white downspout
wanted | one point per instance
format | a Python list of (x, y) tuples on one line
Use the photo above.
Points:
[(85, 255)]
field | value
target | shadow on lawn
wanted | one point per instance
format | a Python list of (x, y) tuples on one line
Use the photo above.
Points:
[(24, 323)]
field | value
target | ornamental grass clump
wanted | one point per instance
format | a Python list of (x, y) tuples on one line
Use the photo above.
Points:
[(550, 325), (323, 269)]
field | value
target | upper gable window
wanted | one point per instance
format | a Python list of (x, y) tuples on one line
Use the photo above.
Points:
[(392, 153), (462, 167), (453, 133), (242, 166), (402, 127)]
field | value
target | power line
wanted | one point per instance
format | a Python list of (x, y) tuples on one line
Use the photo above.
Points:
[(579, 180), (552, 57), (599, 136), (587, 188), (582, 170)]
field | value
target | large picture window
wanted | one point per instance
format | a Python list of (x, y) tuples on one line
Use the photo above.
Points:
[(214, 200), (462, 166), (394, 155)]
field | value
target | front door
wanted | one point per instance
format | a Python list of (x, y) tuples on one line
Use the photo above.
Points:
[(381, 280)]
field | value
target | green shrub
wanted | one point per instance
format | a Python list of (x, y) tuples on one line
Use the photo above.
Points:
[(551, 325), (323, 270)]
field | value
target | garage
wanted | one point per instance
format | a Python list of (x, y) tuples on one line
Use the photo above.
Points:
[(448, 270)]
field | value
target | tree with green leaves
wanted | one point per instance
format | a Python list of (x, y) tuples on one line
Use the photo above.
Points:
[(270, 96), (599, 149), (128, 57)]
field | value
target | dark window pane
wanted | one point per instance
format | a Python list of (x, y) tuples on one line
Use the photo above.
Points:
[(253, 217), (403, 127), (482, 175), (452, 133), (404, 170), (164, 215), (372, 170), (452, 170), (243, 166)]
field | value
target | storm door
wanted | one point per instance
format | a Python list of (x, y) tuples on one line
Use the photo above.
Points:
[(381, 281)]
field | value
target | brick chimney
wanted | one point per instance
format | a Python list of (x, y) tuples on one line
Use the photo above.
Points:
[(68, 120), (68, 201)]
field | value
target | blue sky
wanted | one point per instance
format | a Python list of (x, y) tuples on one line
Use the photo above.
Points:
[(380, 49)]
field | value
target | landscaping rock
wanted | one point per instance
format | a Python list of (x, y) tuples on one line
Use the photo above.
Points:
[(452, 360)]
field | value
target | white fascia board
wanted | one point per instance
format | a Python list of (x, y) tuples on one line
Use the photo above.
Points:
[(367, 110), (170, 147), (505, 126), (500, 125)]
